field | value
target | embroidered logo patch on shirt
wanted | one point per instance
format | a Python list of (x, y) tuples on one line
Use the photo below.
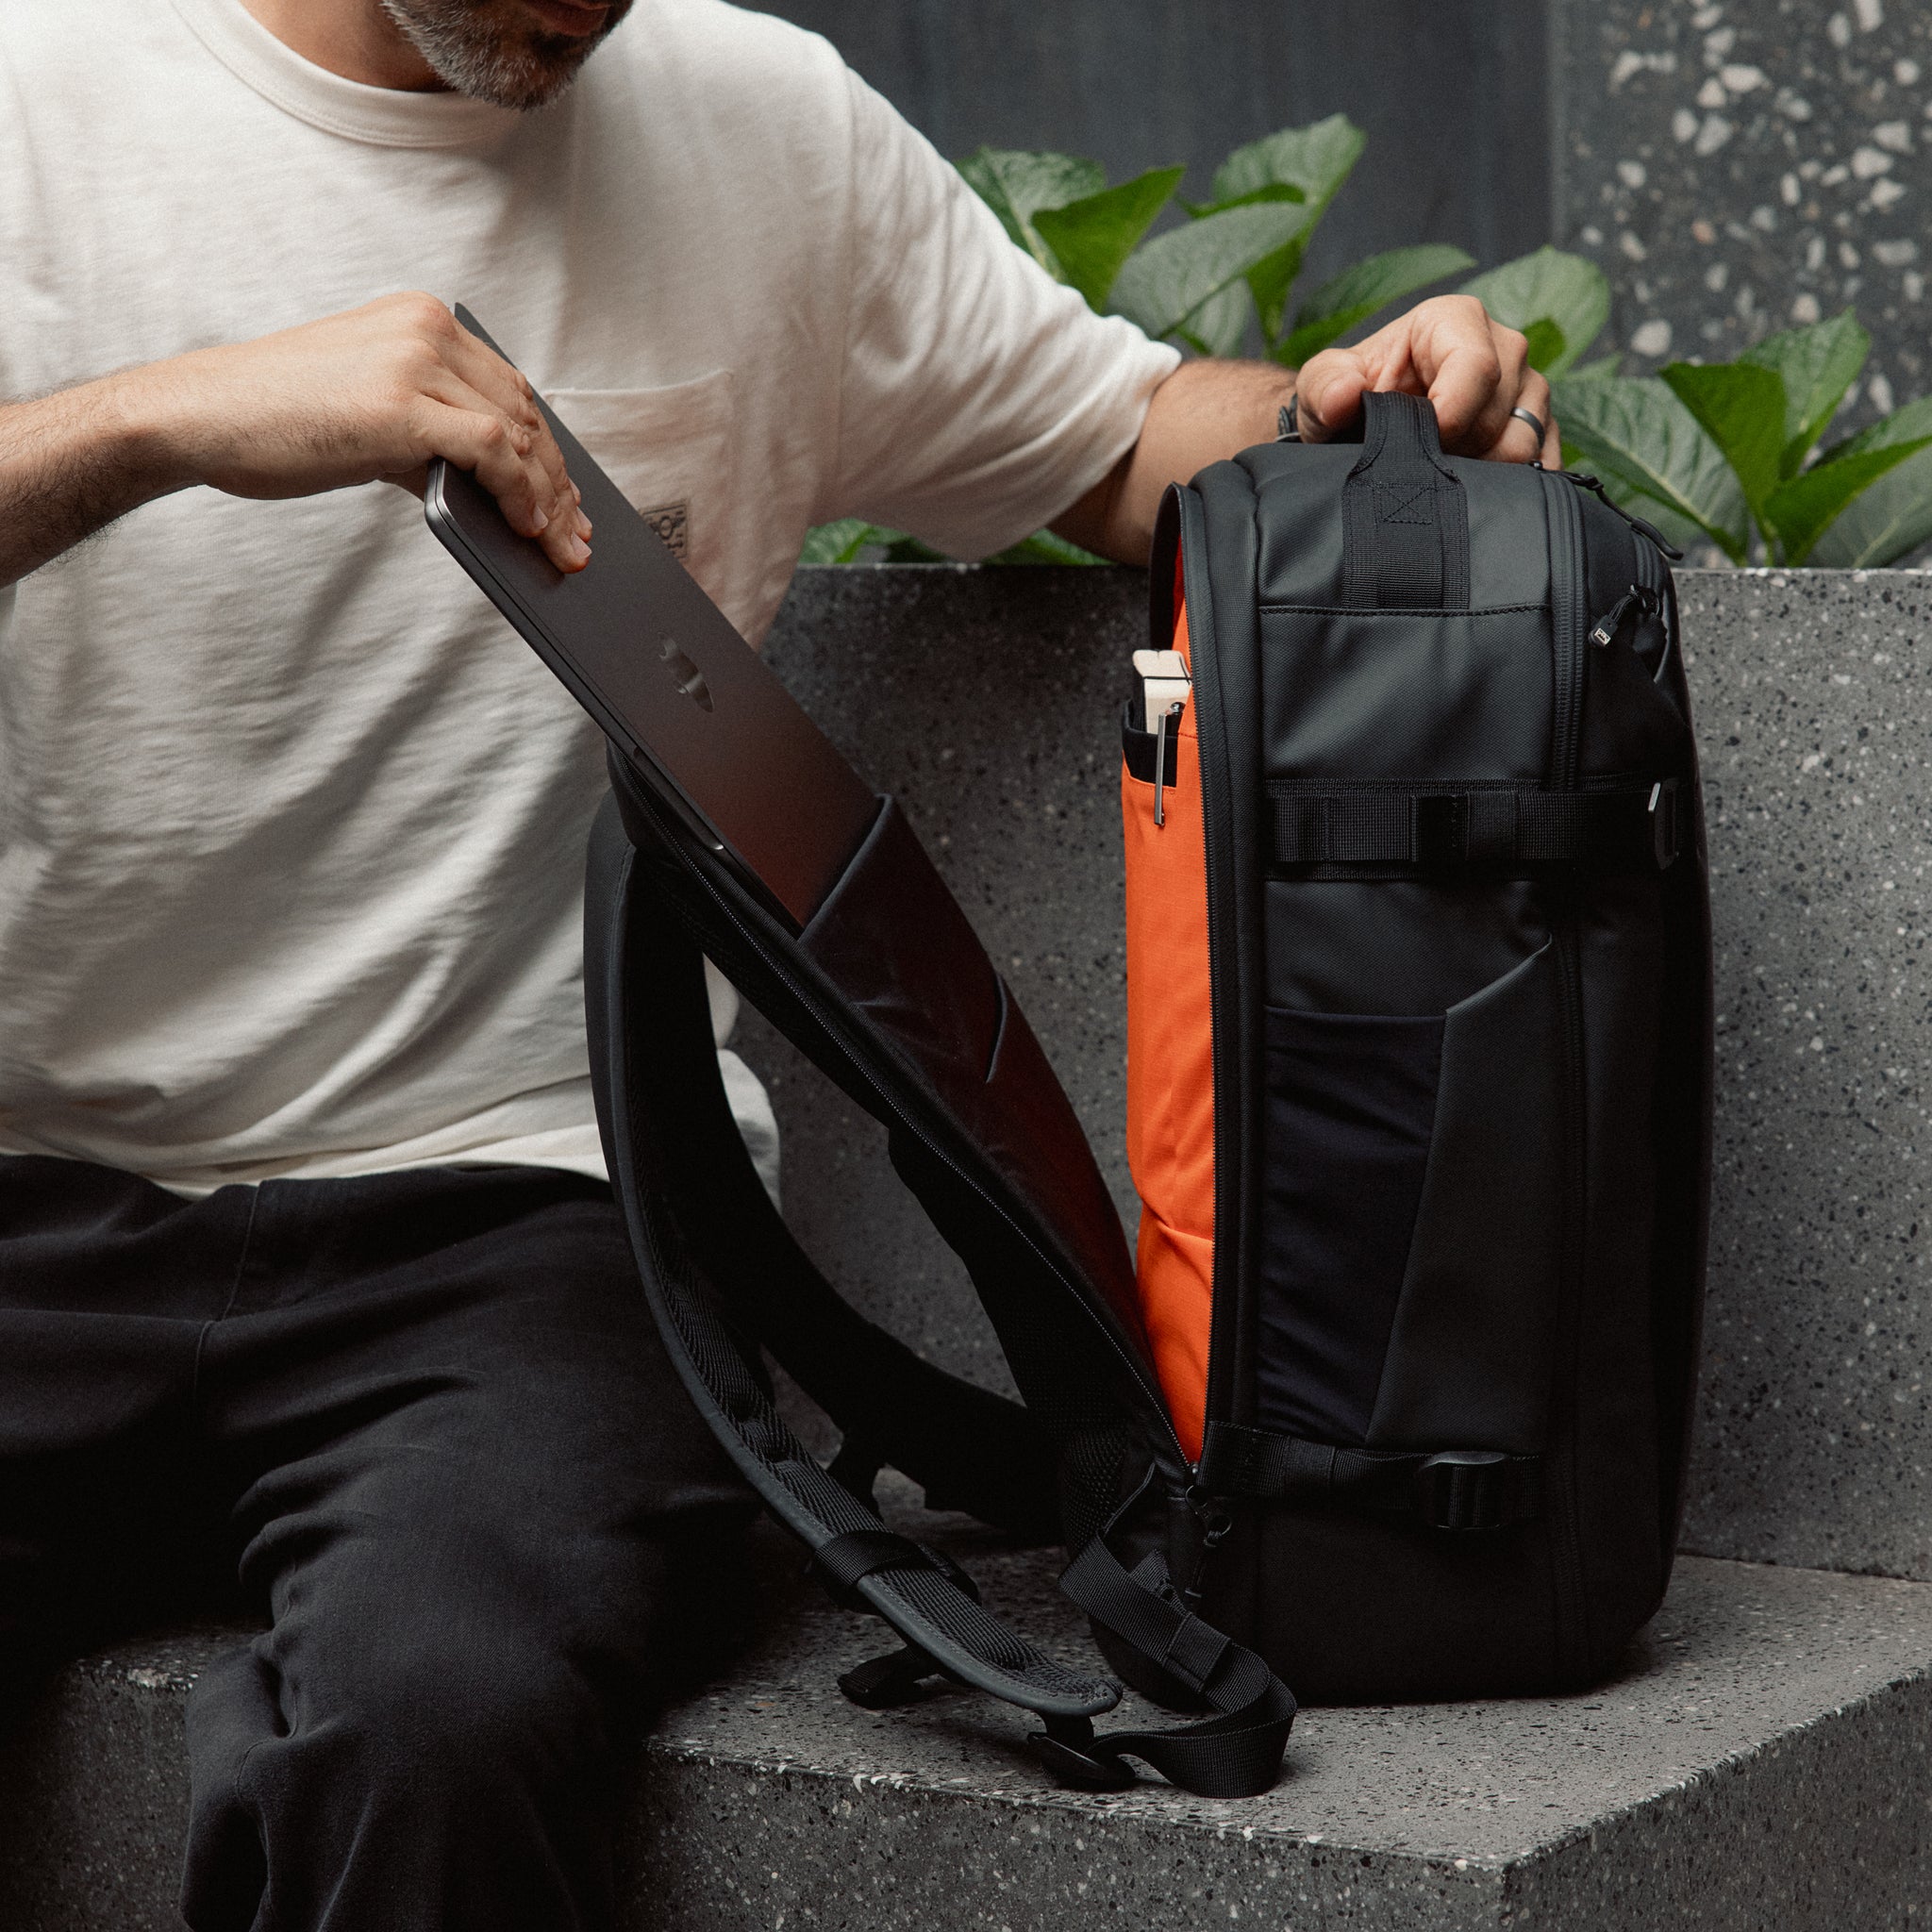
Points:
[(672, 521)]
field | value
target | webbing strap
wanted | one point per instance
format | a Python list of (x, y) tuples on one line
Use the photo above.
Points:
[(1404, 521), (1237, 1752), (1430, 827), (1447, 1489)]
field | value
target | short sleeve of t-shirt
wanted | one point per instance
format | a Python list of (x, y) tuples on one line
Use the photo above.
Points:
[(979, 397)]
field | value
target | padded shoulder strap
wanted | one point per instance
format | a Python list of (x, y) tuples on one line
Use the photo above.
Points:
[(634, 961), (715, 1268)]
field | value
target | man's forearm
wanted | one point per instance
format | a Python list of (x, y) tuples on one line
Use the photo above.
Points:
[(372, 395), (1203, 411), (71, 463)]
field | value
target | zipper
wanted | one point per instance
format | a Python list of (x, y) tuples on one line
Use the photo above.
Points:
[(1585, 481), (1223, 991), (1568, 625), (833, 1024)]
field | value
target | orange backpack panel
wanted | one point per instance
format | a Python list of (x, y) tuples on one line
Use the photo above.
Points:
[(1171, 1071)]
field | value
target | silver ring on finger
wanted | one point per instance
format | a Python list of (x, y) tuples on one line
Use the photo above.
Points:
[(1534, 421)]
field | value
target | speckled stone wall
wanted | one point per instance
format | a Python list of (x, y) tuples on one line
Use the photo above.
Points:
[(1814, 695), (1744, 165)]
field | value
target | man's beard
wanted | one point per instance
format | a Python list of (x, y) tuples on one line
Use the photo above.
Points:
[(476, 47)]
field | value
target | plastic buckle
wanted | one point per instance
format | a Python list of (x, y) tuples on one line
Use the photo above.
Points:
[(882, 1683), (1065, 1747), (1663, 823), (1462, 1489)]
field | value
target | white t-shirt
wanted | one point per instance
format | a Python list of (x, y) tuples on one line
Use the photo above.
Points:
[(292, 825)]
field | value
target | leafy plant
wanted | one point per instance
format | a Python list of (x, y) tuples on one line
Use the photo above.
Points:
[(1717, 451), (1710, 452), (1234, 261)]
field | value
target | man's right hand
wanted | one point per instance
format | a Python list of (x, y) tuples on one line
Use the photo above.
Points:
[(370, 395)]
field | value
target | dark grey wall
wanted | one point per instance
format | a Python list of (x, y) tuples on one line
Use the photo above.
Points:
[(1453, 94)]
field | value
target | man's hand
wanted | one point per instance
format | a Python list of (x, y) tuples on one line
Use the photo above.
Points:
[(1452, 350), (367, 396), (1449, 349)]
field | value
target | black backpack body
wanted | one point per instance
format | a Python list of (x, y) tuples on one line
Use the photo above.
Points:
[(1439, 1461), (1457, 912)]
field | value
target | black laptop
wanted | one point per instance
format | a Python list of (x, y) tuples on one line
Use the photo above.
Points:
[(676, 689)]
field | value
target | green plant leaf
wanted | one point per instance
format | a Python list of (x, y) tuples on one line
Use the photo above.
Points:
[(843, 541), (1357, 293), (1743, 409), (1166, 280), (1604, 365), (1221, 323), (1816, 365), (1891, 517), (1800, 509), (1315, 160), (1093, 236), (1548, 286), (1546, 342), (1017, 185), (1637, 433), (1271, 190), (1044, 547)]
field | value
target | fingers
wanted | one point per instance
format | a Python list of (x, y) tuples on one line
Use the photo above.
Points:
[(471, 407), (1472, 368), (1520, 441), (1328, 391), (498, 454), (1331, 386), (497, 386)]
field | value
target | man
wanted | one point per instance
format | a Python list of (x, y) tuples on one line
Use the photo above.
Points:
[(306, 1266)]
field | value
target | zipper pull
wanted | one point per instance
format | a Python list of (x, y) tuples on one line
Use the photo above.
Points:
[(1584, 481), (1608, 626), (1173, 711)]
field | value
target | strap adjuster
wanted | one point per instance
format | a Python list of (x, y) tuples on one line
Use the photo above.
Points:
[(1462, 1489), (1663, 815)]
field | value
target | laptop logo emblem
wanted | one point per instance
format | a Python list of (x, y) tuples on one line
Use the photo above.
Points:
[(689, 679)]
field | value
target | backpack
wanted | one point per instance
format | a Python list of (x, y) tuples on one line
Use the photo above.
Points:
[(1393, 1401)]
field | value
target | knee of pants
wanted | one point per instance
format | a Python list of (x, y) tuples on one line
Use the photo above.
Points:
[(430, 1771), (475, 1707), (463, 1706)]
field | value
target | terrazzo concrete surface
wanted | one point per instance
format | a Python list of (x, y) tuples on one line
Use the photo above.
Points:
[(1743, 166), (1814, 1436), (1814, 694), (1762, 1705)]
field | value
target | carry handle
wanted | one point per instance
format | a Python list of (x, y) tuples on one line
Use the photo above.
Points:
[(1405, 520)]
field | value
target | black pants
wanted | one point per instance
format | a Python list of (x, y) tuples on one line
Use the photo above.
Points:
[(425, 1422)]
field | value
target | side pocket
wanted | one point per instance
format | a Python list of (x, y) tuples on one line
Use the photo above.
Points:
[(1469, 1354), (1171, 1067), (1351, 1101)]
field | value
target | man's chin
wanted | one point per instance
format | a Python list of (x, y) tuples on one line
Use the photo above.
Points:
[(518, 53)]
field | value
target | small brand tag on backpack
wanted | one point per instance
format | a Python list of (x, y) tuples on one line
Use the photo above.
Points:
[(672, 521)]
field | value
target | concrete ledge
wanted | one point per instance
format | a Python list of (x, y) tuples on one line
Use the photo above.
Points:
[(1761, 1760)]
